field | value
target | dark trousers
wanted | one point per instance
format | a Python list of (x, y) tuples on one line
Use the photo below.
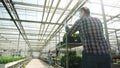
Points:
[(96, 61)]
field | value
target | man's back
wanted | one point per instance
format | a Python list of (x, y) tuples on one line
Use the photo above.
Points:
[(92, 36)]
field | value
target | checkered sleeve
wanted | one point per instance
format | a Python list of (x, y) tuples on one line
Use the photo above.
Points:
[(75, 27)]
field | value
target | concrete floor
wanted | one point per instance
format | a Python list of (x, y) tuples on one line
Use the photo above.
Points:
[(36, 63)]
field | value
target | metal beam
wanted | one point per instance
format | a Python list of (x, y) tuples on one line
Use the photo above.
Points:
[(35, 5), (16, 29), (73, 11), (4, 38), (101, 15), (118, 44), (20, 41), (5, 41), (36, 10), (105, 5), (49, 10), (48, 13), (13, 40), (114, 31), (56, 12), (44, 9), (11, 13), (113, 17), (27, 39), (30, 21), (105, 21), (29, 34), (59, 17), (40, 30), (111, 28), (51, 16), (37, 45)]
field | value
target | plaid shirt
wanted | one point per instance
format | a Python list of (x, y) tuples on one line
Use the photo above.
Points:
[(91, 32)]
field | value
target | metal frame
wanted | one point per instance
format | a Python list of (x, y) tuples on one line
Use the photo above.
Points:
[(105, 4), (19, 26), (116, 39), (44, 35), (51, 17), (105, 22), (59, 17), (36, 5), (42, 17), (30, 21), (69, 15)]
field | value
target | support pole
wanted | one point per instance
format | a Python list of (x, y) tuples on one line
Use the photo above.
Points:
[(59, 36), (117, 41), (18, 44), (25, 50), (56, 52), (105, 23), (67, 58)]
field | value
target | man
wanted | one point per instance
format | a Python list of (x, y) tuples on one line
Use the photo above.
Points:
[(50, 58), (96, 52)]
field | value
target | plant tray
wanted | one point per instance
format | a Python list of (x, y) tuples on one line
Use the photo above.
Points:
[(70, 45), (11, 63)]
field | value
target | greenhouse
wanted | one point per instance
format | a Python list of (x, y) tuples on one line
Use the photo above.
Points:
[(33, 33)]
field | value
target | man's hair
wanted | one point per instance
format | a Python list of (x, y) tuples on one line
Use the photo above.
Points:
[(86, 10)]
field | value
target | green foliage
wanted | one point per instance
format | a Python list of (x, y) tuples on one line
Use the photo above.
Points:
[(74, 61), (7, 59), (118, 61), (72, 38), (72, 35), (60, 43)]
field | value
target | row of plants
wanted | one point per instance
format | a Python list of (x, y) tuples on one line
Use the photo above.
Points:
[(116, 61), (7, 59), (74, 60), (71, 38), (116, 58)]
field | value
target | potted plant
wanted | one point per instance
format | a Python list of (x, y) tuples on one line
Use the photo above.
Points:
[(72, 38), (60, 43)]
